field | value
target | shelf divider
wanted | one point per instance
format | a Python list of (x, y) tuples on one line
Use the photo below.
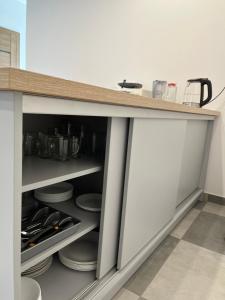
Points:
[(38, 172)]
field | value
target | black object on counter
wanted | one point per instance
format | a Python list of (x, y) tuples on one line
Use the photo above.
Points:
[(204, 82), (130, 85)]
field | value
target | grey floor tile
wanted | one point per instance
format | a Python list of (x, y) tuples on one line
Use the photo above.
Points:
[(145, 274), (208, 231), (200, 205), (185, 223), (190, 273), (124, 294), (214, 208)]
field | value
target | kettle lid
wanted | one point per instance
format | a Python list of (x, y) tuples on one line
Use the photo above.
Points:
[(130, 85)]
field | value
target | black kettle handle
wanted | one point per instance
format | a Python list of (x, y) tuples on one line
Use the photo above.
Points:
[(208, 83)]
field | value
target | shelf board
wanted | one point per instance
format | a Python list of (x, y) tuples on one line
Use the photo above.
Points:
[(89, 221), (39, 172), (61, 283)]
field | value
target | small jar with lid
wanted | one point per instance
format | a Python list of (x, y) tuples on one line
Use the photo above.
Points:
[(171, 92)]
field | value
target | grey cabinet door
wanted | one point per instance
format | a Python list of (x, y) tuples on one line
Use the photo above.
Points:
[(192, 159), (154, 157), (116, 147)]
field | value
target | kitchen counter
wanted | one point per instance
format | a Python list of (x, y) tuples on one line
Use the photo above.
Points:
[(17, 80), (153, 172)]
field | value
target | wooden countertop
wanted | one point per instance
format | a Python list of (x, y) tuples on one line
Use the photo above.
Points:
[(37, 84)]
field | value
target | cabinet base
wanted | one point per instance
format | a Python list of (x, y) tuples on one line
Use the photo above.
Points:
[(107, 288)]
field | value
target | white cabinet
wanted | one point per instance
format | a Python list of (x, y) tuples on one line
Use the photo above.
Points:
[(10, 189), (142, 182), (154, 158)]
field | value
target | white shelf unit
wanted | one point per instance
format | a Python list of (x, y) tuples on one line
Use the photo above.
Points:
[(59, 282), (62, 283), (38, 172), (89, 221)]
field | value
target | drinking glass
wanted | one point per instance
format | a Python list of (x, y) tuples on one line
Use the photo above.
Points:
[(28, 144), (45, 145), (61, 148), (74, 146)]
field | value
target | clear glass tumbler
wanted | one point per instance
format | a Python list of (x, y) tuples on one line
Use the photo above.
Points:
[(61, 148)]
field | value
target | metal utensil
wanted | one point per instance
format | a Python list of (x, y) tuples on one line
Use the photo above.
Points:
[(39, 226), (62, 225), (31, 241), (41, 213)]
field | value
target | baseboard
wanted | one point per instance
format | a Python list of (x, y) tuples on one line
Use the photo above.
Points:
[(216, 199)]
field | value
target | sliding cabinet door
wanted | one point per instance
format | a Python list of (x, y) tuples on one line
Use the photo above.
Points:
[(193, 155), (153, 166), (112, 195)]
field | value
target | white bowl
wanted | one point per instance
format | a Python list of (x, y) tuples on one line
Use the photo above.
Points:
[(30, 289)]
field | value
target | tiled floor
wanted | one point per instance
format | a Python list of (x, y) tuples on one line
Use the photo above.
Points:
[(189, 264)]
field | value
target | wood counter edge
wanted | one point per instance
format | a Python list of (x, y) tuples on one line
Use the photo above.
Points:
[(31, 83)]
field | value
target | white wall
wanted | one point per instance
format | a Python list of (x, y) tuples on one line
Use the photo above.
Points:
[(103, 42), (13, 17)]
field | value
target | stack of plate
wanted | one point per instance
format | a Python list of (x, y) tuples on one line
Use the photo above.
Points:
[(55, 193), (80, 255), (39, 268), (90, 202), (30, 289)]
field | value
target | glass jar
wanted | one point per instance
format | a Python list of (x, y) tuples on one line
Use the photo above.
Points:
[(159, 89), (171, 92)]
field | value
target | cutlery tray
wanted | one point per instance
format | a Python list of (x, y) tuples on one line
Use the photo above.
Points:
[(57, 236)]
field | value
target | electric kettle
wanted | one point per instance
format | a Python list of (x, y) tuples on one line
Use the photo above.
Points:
[(195, 90)]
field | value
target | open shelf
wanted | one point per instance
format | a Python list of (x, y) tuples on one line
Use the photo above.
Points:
[(61, 283), (39, 172), (89, 221)]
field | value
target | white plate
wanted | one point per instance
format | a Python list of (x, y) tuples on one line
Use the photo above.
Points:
[(30, 289), (37, 272), (38, 266), (55, 193), (73, 266), (90, 202), (82, 251), (79, 264)]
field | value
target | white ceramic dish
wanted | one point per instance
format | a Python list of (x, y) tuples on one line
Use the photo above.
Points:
[(30, 289), (55, 193), (78, 267), (91, 202), (39, 268), (80, 255), (82, 251)]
